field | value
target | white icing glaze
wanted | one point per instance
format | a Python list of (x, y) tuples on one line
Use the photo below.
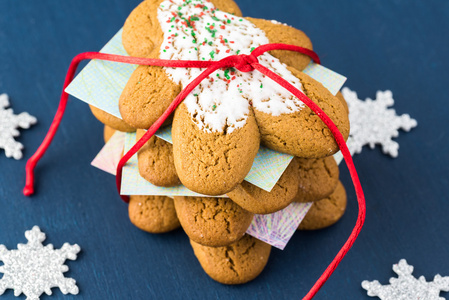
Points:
[(221, 104)]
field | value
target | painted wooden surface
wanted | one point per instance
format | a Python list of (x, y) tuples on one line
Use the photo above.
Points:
[(378, 45)]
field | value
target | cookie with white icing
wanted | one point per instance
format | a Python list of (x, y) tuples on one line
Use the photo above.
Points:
[(218, 127), (214, 222), (155, 161), (259, 201)]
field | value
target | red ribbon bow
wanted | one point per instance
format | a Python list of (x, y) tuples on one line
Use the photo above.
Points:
[(243, 63)]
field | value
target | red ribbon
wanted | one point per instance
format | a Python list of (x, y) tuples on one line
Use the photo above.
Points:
[(243, 63)]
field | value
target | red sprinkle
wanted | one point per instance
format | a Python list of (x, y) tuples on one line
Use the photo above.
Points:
[(229, 50), (223, 27)]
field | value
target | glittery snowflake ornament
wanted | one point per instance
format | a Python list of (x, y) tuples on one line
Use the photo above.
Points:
[(373, 122), (33, 268), (406, 286), (9, 123)]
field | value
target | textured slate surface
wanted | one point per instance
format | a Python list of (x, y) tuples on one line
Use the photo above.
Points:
[(378, 45)]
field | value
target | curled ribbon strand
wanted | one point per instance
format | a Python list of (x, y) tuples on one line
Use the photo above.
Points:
[(244, 63)]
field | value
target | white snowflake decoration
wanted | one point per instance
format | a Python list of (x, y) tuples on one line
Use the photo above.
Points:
[(9, 122), (34, 268), (373, 122), (406, 286)]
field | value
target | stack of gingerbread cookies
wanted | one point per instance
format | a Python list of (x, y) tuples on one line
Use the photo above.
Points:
[(218, 129)]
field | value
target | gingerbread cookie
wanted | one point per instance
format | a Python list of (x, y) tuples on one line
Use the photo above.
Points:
[(108, 132), (327, 211), (317, 178), (209, 130), (237, 263), (343, 101), (259, 201), (213, 222), (155, 214), (155, 161), (110, 120), (284, 34)]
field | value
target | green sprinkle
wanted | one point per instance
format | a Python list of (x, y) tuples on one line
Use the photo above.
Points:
[(180, 14), (226, 74), (212, 53), (172, 19), (179, 7), (215, 18), (164, 50), (212, 31), (205, 8), (252, 49), (240, 20), (196, 95), (204, 58), (225, 40), (214, 107), (194, 19), (238, 51), (261, 85), (184, 37), (195, 49), (210, 43)]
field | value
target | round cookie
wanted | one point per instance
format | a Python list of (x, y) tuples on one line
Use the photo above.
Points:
[(327, 211), (318, 178), (311, 137), (259, 201), (154, 214), (281, 33), (147, 94), (110, 120), (212, 163), (213, 222), (155, 161), (108, 132), (237, 263)]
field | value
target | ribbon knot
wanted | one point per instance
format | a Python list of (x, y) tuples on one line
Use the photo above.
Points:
[(244, 63)]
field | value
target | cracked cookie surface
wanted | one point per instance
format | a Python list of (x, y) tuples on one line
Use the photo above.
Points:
[(237, 263), (154, 214), (212, 222), (318, 178), (259, 201)]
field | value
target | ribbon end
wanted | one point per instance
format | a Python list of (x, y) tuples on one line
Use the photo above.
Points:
[(28, 190)]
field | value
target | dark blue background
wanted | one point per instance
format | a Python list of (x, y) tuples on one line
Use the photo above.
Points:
[(378, 45)]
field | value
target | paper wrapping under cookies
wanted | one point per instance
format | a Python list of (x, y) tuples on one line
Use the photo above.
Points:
[(100, 84), (275, 229)]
